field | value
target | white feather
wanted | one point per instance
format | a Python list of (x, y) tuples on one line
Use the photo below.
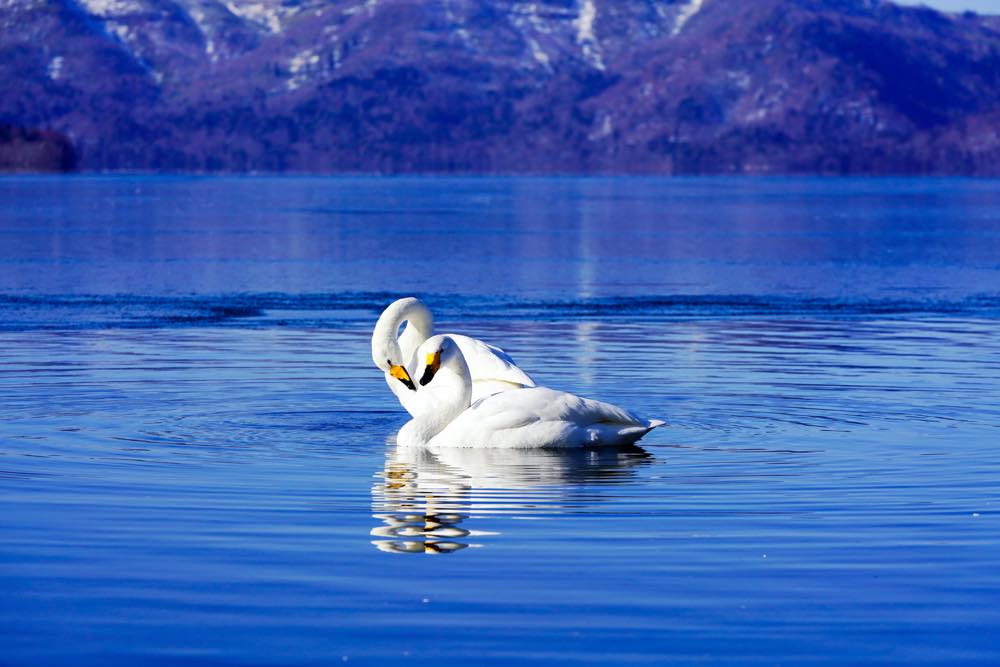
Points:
[(533, 417)]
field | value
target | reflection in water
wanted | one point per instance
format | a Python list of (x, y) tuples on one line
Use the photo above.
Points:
[(423, 496)]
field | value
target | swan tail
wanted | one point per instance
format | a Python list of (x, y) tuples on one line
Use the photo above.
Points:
[(619, 434)]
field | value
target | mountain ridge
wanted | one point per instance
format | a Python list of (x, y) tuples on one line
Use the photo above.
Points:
[(592, 86)]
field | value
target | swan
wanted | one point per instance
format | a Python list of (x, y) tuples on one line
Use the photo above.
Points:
[(525, 418), (491, 368)]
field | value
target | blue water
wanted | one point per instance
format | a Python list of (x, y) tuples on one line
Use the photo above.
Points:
[(197, 460)]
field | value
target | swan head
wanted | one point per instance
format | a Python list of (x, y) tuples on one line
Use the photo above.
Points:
[(388, 357), (437, 353), (390, 350), (390, 362), (444, 388)]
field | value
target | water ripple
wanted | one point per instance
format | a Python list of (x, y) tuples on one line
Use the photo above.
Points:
[(35, 312)]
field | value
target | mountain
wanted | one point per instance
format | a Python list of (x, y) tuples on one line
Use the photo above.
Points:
[(662, 86)]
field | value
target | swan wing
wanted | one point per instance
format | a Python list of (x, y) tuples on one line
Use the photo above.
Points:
[(491, 368), (542, 417)]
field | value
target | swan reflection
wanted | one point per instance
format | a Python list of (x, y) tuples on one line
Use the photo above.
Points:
[(426, 499)]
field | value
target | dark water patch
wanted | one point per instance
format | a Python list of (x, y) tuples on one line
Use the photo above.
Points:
[(26, 313), (376, 212), (755, 306)]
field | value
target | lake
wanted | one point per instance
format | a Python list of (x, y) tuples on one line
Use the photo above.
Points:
[(197, 456)]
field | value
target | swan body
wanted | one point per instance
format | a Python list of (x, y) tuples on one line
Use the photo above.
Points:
[(532, 417), (492, 370)]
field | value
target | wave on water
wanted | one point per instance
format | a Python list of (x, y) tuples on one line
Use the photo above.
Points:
[(340, 309)]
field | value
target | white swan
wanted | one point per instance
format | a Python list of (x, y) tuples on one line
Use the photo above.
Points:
[(527, 418), (492, 370)]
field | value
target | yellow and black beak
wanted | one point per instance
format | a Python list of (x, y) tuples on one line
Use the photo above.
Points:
[(433, 364), (400, 374)]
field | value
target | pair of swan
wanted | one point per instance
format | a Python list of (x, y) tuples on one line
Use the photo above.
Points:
[(492, 370), (471, 394)]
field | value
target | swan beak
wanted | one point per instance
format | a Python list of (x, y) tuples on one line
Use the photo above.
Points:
[(433, 364), (400, 374)]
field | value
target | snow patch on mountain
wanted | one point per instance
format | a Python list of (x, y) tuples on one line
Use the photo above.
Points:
[(525, 18), (685, 14), (301, 66), (458, 26), (603, 128), (368, 5), (104, 8), (264, 14), (302, 61), (200, 20), (585, 34), (538, 53), (55, 68), (121, 31), (585, 22)]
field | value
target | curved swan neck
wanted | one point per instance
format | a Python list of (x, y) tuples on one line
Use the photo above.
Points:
[(419, 327), (445, 397)]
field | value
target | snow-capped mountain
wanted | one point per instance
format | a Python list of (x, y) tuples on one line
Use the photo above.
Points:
[(673, 86)]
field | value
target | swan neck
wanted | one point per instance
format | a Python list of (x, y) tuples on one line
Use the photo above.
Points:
[(445, 398), (420, 325), (418, 316)]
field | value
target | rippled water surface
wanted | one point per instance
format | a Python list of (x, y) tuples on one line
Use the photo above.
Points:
[(197, 458)]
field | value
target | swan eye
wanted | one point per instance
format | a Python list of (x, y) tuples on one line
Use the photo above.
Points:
[(400, 374), (433, 362)]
